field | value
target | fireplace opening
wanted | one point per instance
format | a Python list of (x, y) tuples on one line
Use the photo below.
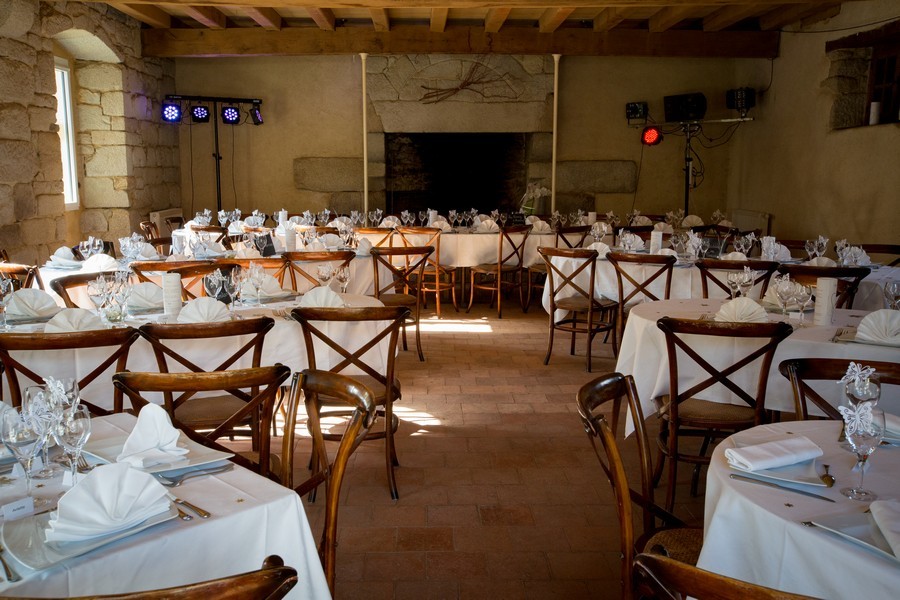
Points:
[(445, 171)]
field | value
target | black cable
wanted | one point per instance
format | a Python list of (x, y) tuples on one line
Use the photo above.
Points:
[(729, 132), (191, 161), (848, 28), (699, 174), (771, 78), (233, 187), (637, 180)]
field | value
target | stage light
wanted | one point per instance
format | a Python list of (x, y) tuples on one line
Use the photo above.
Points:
[(231, 115), (171, 112), (256, 115), (200, 113), (651, 136)]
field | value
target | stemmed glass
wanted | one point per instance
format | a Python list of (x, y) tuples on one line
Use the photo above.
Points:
[(892, 294), (98, 246), (802, 296), (734, 280), (85, 248), (423, 216), (72, 432), (6, 288), (503, 217), (23, 436), (257, 278), (36, 403), (372, 222), (704, 247), (325, 273), (821, 246), (784, 289), (746, 283), (343, 278), (212, 284), (810, 247), (864, 429)]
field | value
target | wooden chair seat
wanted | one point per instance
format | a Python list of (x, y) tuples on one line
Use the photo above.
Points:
[(703, 413), (407, 300), (206, 413), (491, 268), (680, 543)]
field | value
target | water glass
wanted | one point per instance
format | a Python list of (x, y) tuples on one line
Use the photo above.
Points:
[(343, 278), (23, 436), (72, 433), (864, 429), (802, 296), (892, 294), (325, 273), (6, 288), (810, 247)]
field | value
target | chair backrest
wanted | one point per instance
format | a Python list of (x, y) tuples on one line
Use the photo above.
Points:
[(22, 276), (891, 249), (769, 335), (298, 263), (276, 267), (217, 234), (801, 371), (63, 285), (406, 265), (174, 223), (257, 389), (162, 244), (510, 247), (848, 279), (4, 255), (664, 578), (564, 285), (433, 239), (711, 268), (572, 236), (383, 236), (191, 272), (150, 229), (358, 399), (117, 340), (142, 268), (641, 283)]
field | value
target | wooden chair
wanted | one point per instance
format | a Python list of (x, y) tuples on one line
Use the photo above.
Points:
[(407, 268), (583, 311), (22, 276), (507, 273), (641, 282), (848, 279), (192, 273), (149, 229), (537, 273), (310, 389), (207, 413), (801, 371), (301, 278), (889, 249), (375, 375), (384, 237), (672, 537), (686, 415), (216, 234), (251, 393), (662, 578), (438, 277), (117, 341), (174, 223), (711, 269), (4, 255), (63, 285)]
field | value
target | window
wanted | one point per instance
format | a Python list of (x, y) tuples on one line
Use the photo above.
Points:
[(884, 82), (64, 118)]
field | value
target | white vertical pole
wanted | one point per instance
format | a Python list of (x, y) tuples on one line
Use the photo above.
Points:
[(365, 136), (556, 58)]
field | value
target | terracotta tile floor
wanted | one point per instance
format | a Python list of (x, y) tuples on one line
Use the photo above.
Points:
[(500, 493)]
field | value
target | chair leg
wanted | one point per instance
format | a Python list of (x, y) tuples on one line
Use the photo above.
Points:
[(673, 470), (389, 452), (550, 343), (499, 291), (695, 476), (452, 292), (471, 290), (419, 337)]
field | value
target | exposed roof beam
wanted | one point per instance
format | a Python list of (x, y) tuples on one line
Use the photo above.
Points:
[(207, 15), (495, 19), (482, 4), (267, 18), (324, 17), (728, 16), (608, 18), (668, 17), (402, 39), (553, 18), (826, 12), (778, 18), (145, 13), (380, 19), (439, 19)]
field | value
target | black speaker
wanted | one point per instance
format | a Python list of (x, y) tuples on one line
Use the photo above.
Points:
[(685, 107)]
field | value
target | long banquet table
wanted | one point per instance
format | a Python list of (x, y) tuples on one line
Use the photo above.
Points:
[(252, 517)]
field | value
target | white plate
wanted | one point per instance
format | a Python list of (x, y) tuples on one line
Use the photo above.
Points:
[(859, 528), (24, 540), (198, 455), (804, 472), (61, 267)]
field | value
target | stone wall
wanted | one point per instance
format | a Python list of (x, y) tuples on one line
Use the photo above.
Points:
[(848, 79), (128, 164)]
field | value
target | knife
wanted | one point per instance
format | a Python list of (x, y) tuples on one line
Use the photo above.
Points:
[(780, 487)]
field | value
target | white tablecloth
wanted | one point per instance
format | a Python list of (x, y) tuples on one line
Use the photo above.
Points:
[(754, 533), (643, 355), (252, 517)]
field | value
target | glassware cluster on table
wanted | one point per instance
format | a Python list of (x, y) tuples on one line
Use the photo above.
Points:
[(110, 294), (864, 423), (791, 292), (90, 247)]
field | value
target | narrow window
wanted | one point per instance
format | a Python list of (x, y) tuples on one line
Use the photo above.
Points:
[(66, 124)]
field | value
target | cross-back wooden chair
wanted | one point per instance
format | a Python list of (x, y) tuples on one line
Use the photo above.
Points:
[(301, 265), (686, 415), (254, 390), (144, 269), (801, 371), (584, 314), (364, 363), (633, 269), (62, 286), (507, 273), (15, 347), (174, 223), (893, 250), (572, 236), (309, 389), (438, 277), (848, 279), (599, 404), (235, 351), (715, 271), (22, 276), (661, 578), (406, 265), (383, 237), (149, 229)]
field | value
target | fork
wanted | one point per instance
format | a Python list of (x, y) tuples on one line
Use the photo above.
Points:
[(83, 465), (11, 574)]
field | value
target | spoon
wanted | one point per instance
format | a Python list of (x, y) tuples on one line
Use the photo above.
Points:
[(827, 479)]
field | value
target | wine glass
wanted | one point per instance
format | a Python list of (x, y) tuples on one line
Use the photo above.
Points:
[(325, 273), (503, 217), (23, 437), (810, 247), (746, 283), (257, 278), (72, 433), (98, 246), (864, 429), (784, 290), (37, 404), (704, 247), (423, 216), (6, 288), (85, 248), (802, 296), (734, 280), (892, 294), (212, 284), (821, 246), (863, 390), (343, 278)]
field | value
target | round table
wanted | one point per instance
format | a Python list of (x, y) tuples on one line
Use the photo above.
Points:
[(754, 533)]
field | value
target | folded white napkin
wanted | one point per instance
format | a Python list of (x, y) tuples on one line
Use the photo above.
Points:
[(886, 514), (882, 326), (437, 219), (270, 288), (332, 240), (322, 297), (821, 261), (247, 253), (73, 319), (338, 221), (782, 253), (31, 303), (204, 310), (213, 249), (666, 252), (153, 441), (692, 221), (145, 295), (891, 425), (487, 225), (601, 248), (641, 221), (64, 252), (771, 455), (111, 498), (638, 243), (64, 257), (236, 227), (734, 256), (148, 252), (664, 227), (364, 248), (741, 310), (532, 219), (314, 246), (390, 221), (539, 226), (100, 262), (177, 258), (443, 225)]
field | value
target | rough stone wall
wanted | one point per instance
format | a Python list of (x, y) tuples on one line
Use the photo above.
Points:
[(848, 79), (128, 164)]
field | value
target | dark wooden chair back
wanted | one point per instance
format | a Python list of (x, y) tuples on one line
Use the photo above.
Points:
[(63, 285), (174, 223), (298, 264), (22, 276), (149, 229), (406, 265), (276, 267), (848, 279), (217, 234), (711, 269), (563, 285), (383, 235), (893, 250), (663, 264), (4, 255), (510, 250), (572, 236)]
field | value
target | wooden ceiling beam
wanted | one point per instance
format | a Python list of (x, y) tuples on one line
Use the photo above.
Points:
[(267, 18), (495, 19), (439, 19), (145, 13), (380, 19), (669, 17), (553, 18), (728, 16), (482, 4), (207, 16), (827, 11), (780, 17), (402, 39), (608, 19), (324, 17)]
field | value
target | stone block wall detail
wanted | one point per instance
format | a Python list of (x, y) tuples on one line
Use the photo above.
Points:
[(848, 80)]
